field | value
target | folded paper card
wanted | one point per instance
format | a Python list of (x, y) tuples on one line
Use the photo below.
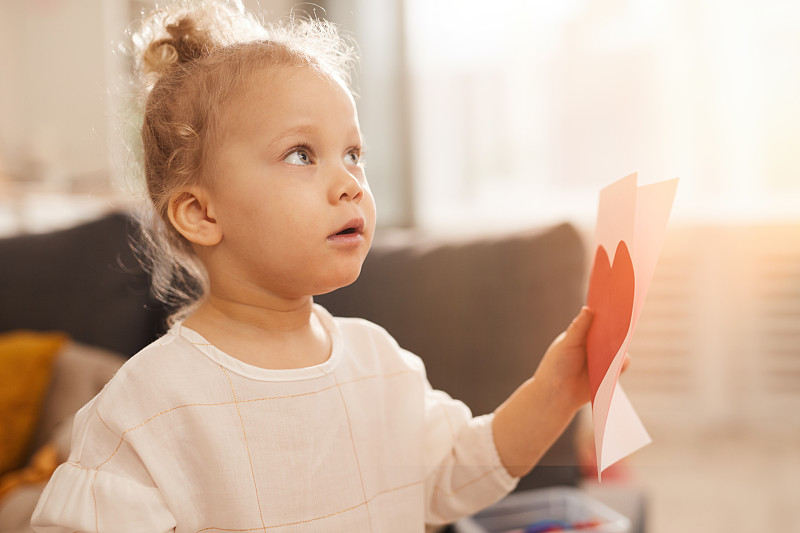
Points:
[(631, 222)]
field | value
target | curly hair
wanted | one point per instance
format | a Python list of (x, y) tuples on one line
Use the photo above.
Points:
[(193, 58)]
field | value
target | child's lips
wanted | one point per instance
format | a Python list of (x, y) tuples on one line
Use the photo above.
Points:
[(351, 231)]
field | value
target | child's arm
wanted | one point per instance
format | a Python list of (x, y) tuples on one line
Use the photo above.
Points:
[(534, 416)]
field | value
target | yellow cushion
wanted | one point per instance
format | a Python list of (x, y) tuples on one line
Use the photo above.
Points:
[(26, 364)]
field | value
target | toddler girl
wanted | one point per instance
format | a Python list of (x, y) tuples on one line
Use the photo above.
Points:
[(258, 410)]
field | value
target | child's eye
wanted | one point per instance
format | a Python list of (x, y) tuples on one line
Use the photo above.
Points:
[(352, 158), (298, 157)]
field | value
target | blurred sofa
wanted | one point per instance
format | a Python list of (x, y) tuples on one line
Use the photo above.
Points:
[(479, 311)]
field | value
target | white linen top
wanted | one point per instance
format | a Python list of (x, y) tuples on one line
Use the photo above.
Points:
[(186, 438)]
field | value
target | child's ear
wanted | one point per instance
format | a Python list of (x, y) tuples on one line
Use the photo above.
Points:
[(191, 213)]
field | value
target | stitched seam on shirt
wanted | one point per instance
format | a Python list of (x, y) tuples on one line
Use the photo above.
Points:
[(355, 452), (94, 499), (247, 448), (375, 496), (435, 503), (220, 404), (234, 530), (437, 489), (119, 444), (213, 346), (235, 402), (365, 502), (122, 436), (288, 523), (342, 511), (468, 483), (106, 425)]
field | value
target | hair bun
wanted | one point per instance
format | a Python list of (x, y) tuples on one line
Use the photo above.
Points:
[(185, 43), (185, 30)]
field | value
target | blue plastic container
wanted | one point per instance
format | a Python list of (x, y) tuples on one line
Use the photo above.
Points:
[(563, 504)]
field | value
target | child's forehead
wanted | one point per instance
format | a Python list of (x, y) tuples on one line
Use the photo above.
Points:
[(286, 77), (291, 98), (285, 84)]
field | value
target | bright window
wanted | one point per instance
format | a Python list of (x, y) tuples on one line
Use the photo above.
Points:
[(522, 110)]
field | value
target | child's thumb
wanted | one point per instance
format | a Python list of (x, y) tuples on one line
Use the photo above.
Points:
[(579, 327)]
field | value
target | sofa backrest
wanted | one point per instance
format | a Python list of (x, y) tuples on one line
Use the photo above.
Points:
[(480, 312), (84, 281)]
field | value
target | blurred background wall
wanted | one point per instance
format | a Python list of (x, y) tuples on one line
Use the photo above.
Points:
[(474, 112)]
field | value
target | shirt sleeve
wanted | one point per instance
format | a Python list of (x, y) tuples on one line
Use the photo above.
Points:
[(99, 499), (83, 500), (466, 473)]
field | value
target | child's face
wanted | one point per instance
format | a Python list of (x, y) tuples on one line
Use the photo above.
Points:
[(290, 194)]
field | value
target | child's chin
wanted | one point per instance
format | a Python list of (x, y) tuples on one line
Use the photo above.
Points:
[(342, 281)]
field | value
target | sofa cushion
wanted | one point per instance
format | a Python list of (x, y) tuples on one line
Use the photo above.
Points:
[(26, 359), (84, 281), (480, 312)]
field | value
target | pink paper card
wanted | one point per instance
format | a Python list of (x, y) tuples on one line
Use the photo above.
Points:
[(631, 222)]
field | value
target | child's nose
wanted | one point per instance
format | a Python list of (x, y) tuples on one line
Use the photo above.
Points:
[(347, 186)]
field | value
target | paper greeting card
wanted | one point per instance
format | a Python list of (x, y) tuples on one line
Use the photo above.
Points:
[(631, 222)]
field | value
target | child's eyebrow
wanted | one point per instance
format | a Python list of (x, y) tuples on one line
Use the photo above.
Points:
[(294, 132), (305, 130)]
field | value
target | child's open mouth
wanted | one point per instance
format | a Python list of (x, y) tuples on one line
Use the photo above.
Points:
[(350, 231)]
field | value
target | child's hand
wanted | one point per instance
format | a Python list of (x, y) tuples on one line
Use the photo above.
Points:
[(531, 419), (564, 366)]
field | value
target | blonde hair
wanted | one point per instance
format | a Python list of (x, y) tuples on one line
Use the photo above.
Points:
[(193, 57)]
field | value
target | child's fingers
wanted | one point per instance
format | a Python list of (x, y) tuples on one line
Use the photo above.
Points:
[(579, 328)]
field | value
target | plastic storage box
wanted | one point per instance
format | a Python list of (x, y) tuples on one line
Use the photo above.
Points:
[(557, 505)]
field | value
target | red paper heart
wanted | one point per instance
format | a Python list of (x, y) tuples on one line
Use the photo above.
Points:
[(611, 300)]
